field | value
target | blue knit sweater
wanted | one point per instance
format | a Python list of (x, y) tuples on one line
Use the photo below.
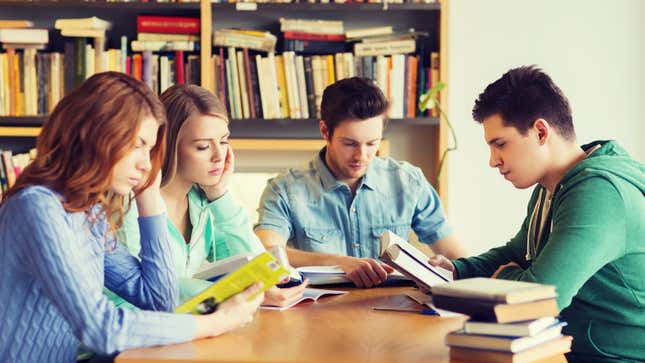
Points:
[(53, 266)]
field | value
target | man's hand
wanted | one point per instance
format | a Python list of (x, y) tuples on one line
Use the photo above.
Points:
[(500, 268), (443, 262), (364, 272), (215, 191)]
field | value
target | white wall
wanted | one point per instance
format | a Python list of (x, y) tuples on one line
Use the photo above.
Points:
[(595, 52)]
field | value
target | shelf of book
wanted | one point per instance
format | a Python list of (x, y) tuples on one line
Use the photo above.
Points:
[(29, 126), (77, 4)]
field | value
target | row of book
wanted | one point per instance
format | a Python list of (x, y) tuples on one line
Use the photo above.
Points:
[(282, 1), (510, 321), (11, 165)]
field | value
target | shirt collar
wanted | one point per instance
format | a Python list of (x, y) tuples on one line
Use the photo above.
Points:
[(330, 182)]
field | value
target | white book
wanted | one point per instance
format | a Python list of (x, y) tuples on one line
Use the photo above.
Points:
[(411, 262), (289, 60), (312, 26), (302, 86), (350, 67), (224, 266), (3, 94), (518, 329), (161, 46), (164, 74), (55, 74), (235, 82), (382, 48), (309, 294), (396, 92), (244, 92), (505, 344), (83, 23), (319, 80), (24, 36), (368, 32), (273, 80), (339, 66), (331, 275), (83, 33), (90, 58), (262, 86), (381, 74)]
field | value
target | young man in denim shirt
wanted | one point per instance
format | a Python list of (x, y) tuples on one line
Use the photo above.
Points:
[(334, 211)]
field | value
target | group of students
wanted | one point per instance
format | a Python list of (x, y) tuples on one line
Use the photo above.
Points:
[(120, 173)]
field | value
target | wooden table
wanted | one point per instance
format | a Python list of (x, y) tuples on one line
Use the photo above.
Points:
[(335, 329)]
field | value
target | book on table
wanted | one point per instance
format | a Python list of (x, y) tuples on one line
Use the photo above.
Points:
[(333, 275), (551, 348), (504, 343), (411, 262), (263, 268), (517, 329), (497, 312), (310, 294), (497, 290)]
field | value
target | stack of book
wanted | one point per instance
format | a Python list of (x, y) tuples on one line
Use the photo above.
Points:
[(510, 321), (310, 36)]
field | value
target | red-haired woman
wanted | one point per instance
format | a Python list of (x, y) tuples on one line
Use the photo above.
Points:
[(57, 234)]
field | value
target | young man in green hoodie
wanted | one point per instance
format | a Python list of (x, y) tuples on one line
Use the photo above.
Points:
[(585, 226)]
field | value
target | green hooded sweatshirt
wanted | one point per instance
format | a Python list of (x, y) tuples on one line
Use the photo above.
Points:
[(592, 248)]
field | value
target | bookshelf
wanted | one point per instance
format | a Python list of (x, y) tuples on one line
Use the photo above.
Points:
[(258, 133)]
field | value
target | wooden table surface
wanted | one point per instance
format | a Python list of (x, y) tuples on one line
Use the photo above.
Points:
[(335, 329)]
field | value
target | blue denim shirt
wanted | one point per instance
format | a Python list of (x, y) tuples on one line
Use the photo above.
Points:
[(316, 212)]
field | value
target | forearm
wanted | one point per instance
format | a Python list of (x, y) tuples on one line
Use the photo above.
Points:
[(487, 263), (299, 258)]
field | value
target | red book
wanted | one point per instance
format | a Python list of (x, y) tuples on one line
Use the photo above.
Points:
[(311, 36), (167, 24), (128, 66), (179, 66)]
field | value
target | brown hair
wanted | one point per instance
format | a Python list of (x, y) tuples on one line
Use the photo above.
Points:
[(88, 132), (183, 102)]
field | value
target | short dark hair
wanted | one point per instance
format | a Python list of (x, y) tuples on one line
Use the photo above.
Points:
[(352, 98), (521, 96)]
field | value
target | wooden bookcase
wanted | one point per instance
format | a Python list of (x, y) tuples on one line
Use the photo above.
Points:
[(255, 134)]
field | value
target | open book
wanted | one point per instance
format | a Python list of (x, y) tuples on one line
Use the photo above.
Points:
[(264, 268), (219, 268), (309, 294), (331, 275), (411, 262)]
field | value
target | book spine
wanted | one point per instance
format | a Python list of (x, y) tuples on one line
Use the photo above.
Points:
[(167, 24), (309, 83), (478, 310), (314, 46), (249, 83), (312, 36), (179, 67), (255, 87)]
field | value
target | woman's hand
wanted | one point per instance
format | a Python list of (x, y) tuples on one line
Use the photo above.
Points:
[(444, 262), (276, 296), (149, 200), (233, 313), (214, 192)]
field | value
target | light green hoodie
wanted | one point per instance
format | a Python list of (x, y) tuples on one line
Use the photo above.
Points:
[(592, 249), (220, 229)]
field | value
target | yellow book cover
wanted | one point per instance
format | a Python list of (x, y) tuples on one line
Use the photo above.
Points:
[(263, 268), (330, 70), (282, 85)]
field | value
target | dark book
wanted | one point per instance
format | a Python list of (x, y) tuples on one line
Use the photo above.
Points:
[(80, 45), (314, 46), (42, 72), (368, 67), (255, 88), (249, 83), (309, 84), (195, 70), (358, 67), (482, 310)]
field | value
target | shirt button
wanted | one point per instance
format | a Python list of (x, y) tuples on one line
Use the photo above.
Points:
[(353, 210), (357, 245)]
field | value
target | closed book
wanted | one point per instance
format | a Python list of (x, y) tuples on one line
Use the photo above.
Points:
[(16, 24), (314, 46), (309, 83), (383, 48), (497, 290), (167, 24), (492, 311), (313, 36), (24, 35), (82, 33), (368, 32), (312, 26), (69, 67), (168, 37), (502, 343), (549, 349), (179, 67), (82, 23), (162, 46), (518, 329), (255, 87)]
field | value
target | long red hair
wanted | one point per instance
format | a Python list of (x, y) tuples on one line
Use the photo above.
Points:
[(88, 132)]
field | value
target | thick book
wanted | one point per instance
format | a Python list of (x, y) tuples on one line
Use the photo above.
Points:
[(492, 311), (502, 343), (24, 36), (502, 291), (310, 294), (314, 46), (332, 275), (517, 329), (411, 262), (385, 48), (549, 349), (263, 268), (82, 23)]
